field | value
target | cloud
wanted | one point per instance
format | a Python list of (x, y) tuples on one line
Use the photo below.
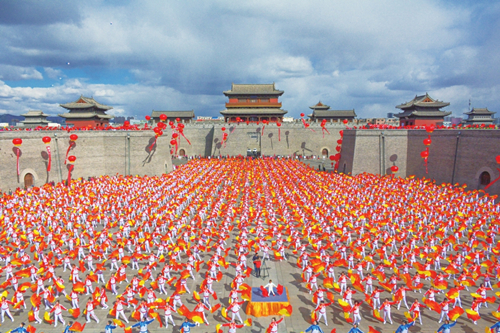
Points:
[(362, 54), (53, 73), (277, 67), (16, 73), (40, 12), (142, 101)]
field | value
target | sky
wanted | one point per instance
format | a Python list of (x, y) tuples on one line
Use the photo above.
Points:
[(139, 56)]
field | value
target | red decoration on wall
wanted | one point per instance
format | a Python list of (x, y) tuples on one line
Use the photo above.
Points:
[(71, 160), (323, 128), (17, 142), (498, 178), (46, 140), (279, 130)]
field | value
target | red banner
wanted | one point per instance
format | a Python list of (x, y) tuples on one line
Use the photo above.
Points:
[(71, 145), (182, 133), (18, 152), (153, 144), (50, 158), (70, 169), (323, 129)]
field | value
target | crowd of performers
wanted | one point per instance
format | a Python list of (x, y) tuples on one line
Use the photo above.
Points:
[(121, 252)]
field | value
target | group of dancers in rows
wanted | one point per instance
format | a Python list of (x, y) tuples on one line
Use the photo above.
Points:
[(138, 245)]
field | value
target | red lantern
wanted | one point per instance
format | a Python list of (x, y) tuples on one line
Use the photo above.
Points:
[(238, 119), (394, 169), (278, 124), (429, 128), (177, 119), (339, 141), (17, 142), (332, 158), (148, 118), (126, 123), (175, 135), (156, 130), (427, 142), (341, 132), (160, 133), (424, 154), (302, 115), (173, 142), (346, 121), (163, 117), (73, 137), (498, 159), (223, 129), (71, 159), (46, 139)]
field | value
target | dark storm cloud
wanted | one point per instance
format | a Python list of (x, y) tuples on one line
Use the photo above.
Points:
[(38, 12), (359, 54)]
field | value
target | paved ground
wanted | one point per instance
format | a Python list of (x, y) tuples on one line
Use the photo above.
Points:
[(286, 273)]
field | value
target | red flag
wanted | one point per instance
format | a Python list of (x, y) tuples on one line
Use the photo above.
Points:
[(77, 327), (372, 330), (74, 312), (215, 308)]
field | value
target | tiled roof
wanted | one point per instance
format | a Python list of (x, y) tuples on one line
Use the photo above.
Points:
[(480, 111), (334, 113), (173, 114), (423, 101), (422, 114), (254, 111), (85, 115), (85, 103), (319, 106), (253, 89), (35, 113)]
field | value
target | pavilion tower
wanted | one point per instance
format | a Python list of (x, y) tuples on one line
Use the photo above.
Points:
[(254, 103), (86, 112), (421, 111)]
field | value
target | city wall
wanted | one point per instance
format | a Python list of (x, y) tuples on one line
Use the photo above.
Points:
[(455, 156), (291, 138), (97, 153)]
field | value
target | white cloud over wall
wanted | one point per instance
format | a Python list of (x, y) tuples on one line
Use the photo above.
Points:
[(362, 54)]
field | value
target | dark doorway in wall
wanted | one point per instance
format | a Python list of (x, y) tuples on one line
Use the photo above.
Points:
[(28, 180), (324, 152), (484, 178), (182, 152)]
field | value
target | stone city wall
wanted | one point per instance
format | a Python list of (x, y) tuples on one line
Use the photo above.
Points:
[(97, 153), (455, 156)]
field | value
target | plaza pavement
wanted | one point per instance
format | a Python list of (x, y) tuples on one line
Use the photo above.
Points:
[(284, 272)]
